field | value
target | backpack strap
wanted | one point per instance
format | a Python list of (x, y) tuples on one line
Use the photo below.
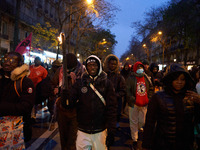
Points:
[(18, 86)]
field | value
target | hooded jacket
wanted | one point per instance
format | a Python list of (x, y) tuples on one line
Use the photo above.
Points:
[(10, 103), (115, 77), (92, 115), (131, 83), (126, 73), (170, 116), (157, 77)]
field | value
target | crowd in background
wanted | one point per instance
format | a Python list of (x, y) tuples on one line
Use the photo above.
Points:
[(163, 105)]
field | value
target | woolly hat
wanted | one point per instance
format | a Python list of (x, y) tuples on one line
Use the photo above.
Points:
[(71, 61), (145, 62), (56, 63)]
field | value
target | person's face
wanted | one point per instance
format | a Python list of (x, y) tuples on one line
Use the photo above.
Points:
[(37, 62), (155, 69), (10, 62), (92, 68), (146, 67), (179, 83), (55, 68), (139, 67), (112, 65), (126, 67)]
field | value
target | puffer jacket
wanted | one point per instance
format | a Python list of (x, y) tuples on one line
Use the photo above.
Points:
[(170, 116), (169, 135), (92, 115)]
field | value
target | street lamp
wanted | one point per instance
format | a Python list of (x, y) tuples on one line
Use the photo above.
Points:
[(59, 42), (146, 50), (89, 2), (159, 32), (163, 47)]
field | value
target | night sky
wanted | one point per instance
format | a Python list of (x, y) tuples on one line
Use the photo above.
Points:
[(131, 11)]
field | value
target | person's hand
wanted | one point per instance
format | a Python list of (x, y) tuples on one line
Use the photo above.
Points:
[(55, 91), (73, 76), (195, 97), (65, 98), (110, 139)]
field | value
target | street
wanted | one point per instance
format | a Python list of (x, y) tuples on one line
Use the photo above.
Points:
[(43, 139)]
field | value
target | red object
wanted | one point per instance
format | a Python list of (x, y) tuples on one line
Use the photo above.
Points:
[(37, 74), (22, 47)]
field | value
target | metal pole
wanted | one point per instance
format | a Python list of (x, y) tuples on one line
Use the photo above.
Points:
[(163, 56), (65, 82), (70, 20), (57, 51)]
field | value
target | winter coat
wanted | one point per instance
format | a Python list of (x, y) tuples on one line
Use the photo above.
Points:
[(126, 73), (92, 115), (168, 134), (131, 83), (10, 103), (170, 117), (115, 77), (157, 77)]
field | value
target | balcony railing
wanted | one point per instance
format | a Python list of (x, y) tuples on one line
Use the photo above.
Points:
[(4, 36)]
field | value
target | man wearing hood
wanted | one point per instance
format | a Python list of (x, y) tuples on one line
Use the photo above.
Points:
[(139, 90), (172, 113), (16, 100), (111, 67), (95, 101)]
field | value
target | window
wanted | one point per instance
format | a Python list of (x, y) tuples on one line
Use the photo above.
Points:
[(4, 28), (26, 34)]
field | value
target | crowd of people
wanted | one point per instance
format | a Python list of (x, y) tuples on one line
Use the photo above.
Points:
[(163, 106)]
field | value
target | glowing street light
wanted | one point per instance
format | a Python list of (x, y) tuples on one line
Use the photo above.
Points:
[(160, 33), (89, 2), (162, 42), (147, 51)]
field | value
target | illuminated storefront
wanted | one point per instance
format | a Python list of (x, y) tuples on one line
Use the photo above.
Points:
[(46, 56)]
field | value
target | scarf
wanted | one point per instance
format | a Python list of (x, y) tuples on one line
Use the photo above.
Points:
[(61, 77), (141, 92)]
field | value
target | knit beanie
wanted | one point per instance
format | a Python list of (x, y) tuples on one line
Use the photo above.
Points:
[(56, 63), (145, 62), (71, 61)]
